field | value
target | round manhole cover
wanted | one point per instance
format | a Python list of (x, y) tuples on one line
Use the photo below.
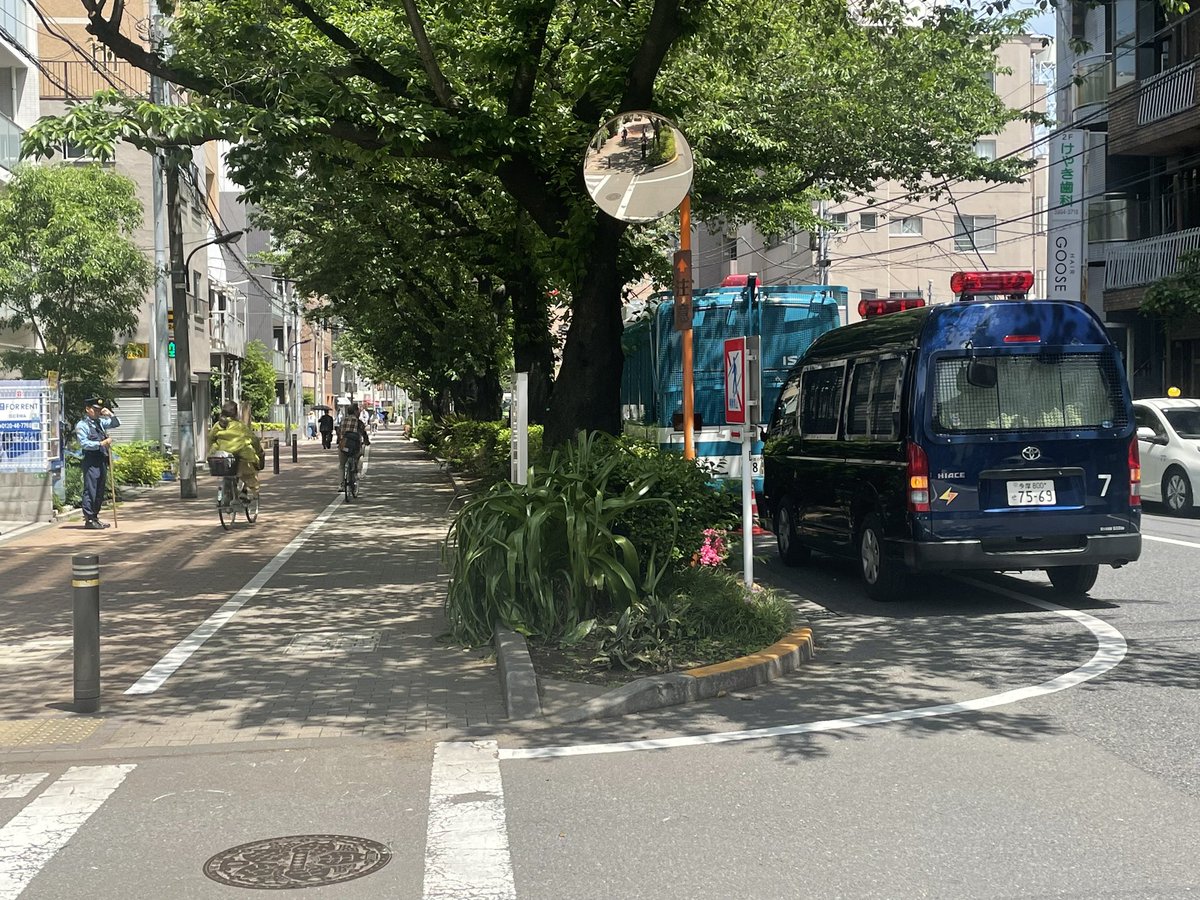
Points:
[(297, 861)]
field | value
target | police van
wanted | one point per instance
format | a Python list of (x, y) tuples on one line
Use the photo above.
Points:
[(992, 433)]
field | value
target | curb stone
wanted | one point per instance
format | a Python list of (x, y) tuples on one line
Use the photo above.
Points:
[(655, 691)]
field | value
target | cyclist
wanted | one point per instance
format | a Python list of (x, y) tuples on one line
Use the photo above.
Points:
[(351, 442), (231, 434)]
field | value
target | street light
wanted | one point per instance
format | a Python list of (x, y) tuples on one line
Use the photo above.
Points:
[(183, 367)]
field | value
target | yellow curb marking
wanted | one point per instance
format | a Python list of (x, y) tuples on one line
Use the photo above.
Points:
[(801, 637), (18, 732)]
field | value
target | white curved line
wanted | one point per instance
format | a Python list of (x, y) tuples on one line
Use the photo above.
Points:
[(1110, 650)]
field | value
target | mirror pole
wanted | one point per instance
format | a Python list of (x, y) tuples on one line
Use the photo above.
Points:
[(685, 336)]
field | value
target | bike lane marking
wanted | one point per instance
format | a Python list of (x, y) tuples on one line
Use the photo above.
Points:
[(13, 787), (1110, 650), (1162, 540), (179, 654), (43, 827)]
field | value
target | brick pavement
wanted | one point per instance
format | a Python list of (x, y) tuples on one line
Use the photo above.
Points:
[(343, 640)]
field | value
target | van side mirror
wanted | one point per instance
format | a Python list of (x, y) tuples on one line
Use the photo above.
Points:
[(981, 375)]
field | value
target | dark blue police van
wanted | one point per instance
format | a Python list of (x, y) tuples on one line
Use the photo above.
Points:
[(993, 433)]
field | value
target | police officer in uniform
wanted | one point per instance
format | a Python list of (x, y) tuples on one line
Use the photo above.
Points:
[(92, 433)]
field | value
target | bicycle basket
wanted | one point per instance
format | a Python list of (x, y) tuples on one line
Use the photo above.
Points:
[(222, 463)]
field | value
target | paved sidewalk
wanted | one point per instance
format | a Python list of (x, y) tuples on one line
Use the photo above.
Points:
[(342, 640)]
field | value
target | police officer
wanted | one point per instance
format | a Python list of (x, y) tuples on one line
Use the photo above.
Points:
[(92, 433)]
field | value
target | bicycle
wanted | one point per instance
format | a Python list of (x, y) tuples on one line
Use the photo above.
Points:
[(232, 493), (350, 477)]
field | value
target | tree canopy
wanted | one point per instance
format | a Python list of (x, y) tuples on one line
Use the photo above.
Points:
[(70, 272), (411, 115)]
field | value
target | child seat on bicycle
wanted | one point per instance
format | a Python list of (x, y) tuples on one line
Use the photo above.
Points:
[(234, 436)]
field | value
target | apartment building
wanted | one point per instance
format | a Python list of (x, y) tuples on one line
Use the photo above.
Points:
[(889, 244), (1133, 89)]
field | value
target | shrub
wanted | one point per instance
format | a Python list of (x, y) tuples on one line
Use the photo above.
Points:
[(425, 432), (138, 462), (543, 557), (714, 603)]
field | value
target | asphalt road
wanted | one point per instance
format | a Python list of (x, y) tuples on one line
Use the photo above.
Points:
[(1084, 786)]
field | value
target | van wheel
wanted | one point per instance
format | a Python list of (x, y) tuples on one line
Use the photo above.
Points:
[(1177, 492), (883, 578), (791, 551), (1073, 581)]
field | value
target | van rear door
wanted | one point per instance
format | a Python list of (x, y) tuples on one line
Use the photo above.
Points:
[(1030, 449)]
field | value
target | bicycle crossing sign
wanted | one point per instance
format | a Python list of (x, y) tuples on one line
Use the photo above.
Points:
[(743, 379)]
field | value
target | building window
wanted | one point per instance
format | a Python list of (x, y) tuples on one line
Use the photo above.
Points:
[(729, 247), (975, 234), (905, 225), (985, 149), (868, 294), (868, 221), (771, 241), (907, 295), (839, 220), (74, 152), (989, 78)]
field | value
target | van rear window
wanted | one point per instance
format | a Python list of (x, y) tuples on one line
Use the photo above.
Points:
[(1027, 392)]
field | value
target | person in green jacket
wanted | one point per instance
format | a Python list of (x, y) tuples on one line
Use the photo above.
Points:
[(231, 434)]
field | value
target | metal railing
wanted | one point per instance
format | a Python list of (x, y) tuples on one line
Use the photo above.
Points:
[(76, 79), (228, 333), (1091, 80), (10, 142), (1138, 263), (1167, 93)]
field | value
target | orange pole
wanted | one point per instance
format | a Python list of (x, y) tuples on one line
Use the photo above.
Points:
[(685, 336)]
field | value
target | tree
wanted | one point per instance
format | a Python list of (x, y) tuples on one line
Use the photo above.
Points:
[(782, 101), (70, 273), (258, 381), (1176, 297)]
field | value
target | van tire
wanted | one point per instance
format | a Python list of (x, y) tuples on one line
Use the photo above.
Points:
[(1177, 492), (1073, 581), (791, 551), (883, 578)]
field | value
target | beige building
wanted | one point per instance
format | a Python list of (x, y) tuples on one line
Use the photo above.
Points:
[(892, 245)]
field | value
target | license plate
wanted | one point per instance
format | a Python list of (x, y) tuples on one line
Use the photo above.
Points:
[(1031, 493)]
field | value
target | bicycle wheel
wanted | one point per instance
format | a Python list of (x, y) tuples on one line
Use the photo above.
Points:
[(225, 508), (251, 507), (354, 487), (347, 477)]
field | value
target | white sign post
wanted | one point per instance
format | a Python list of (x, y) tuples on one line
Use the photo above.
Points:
[(742, 400), (518, 420), (1066, 218)]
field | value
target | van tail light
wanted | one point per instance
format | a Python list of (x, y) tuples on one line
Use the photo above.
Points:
[(918, 479), (1135, 474)]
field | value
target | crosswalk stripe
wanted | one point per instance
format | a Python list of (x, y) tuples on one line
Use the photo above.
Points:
[(43, 827), (14, 786)]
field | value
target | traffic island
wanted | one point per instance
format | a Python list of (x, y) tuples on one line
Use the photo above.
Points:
[(653, 691)]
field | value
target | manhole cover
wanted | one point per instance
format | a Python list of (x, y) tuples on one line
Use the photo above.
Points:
[(297, 861), (335, 642)]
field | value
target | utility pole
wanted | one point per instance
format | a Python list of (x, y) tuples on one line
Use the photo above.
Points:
[(160, 333), (183, 338), (822, 246), (287, 367)]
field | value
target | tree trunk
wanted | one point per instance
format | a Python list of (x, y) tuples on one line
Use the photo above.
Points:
[(587, 393), (532, 350), (476, 395)]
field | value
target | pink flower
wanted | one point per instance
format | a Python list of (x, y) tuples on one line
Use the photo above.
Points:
[(713, 552)]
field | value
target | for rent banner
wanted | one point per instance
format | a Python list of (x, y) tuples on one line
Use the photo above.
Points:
[(1066, 251)]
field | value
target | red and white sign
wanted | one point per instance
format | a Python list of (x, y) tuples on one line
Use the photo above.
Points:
[(735, 381)]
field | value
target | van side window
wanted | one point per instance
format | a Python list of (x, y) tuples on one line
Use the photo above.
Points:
[(822, 401), (885, 405), (858, 410), (789, 399)]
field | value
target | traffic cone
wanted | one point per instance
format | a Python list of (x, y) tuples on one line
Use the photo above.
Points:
[(758, 530)]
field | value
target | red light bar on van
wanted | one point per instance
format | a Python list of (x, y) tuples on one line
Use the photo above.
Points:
[(734, 281), (1022, 339), (878, 307), (1010, 283)]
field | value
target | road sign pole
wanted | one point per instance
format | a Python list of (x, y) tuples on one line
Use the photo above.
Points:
[(685, 334)]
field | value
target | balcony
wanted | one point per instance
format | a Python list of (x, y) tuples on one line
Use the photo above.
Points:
[(10, 142), (1157, 116), (79, 80), (1091, 86), (1138, 263), (227, 332)]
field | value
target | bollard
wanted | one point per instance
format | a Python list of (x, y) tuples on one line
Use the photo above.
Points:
[(293, 448), (275, 454), (85, 582)]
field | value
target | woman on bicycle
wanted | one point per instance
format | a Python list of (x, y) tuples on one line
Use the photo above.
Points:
[(231, 434), (351, 442)]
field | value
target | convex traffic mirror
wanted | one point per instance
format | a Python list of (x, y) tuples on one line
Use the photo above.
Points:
[(638, 167)]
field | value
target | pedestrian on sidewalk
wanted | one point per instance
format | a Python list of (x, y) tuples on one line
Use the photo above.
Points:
[(312, 425), (231, 434), (92, 433), (325, 424)]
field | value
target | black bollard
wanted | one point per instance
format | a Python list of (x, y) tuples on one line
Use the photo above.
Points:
[(275, 454), (85, 583), (293, 448)]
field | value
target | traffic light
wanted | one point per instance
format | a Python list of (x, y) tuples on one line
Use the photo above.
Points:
[(170, 349)]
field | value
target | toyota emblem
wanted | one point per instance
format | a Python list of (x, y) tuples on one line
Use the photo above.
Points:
[(1031, 453)]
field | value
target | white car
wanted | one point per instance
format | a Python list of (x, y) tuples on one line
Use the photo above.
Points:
[(1168, 432)]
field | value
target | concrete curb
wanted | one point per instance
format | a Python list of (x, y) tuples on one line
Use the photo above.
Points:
[(655, 691), (517, 677)]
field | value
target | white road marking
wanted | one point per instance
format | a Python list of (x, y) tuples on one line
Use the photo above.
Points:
[(625, 200), (44, 826), (1110, 651), (1149, 537), (14, 786), (596, 182), (466, 846), (178, 655)]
